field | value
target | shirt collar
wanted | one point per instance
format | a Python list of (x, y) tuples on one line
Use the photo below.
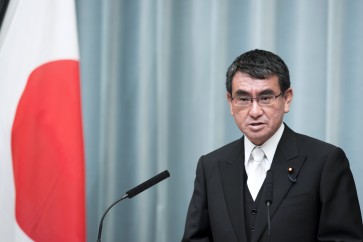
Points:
[(269, 147)]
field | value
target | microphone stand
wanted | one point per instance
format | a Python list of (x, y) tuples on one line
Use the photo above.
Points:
[(104, 215), (268, 221), (133, 192), (269, 196)]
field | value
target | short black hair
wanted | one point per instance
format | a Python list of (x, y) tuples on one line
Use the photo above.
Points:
[(260, 64)]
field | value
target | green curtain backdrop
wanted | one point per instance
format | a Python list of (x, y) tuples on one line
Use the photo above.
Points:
[(153, 94)]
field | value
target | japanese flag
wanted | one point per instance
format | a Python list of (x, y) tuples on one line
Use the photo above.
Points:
[(42, 183)]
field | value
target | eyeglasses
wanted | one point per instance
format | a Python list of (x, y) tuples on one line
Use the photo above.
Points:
[(246, 101)]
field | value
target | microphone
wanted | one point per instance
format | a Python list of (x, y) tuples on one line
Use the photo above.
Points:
[(269, 187), (268, 199), (133, 192), (149, 183)]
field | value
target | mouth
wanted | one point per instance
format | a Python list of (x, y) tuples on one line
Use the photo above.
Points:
[(256, 124)]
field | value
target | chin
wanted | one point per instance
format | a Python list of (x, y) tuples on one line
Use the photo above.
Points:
[(257, 140)]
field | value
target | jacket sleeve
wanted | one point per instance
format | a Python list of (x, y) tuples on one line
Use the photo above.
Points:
[(340, 217), (197, 227)]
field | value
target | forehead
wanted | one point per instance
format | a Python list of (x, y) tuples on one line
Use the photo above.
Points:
[(244, 82)]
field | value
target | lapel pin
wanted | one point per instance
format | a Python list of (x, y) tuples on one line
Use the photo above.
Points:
[(290, 171)]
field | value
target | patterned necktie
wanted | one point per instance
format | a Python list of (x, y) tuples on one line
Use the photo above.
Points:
[(256, 171)]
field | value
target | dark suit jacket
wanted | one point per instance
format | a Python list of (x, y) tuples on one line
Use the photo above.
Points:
[(322, 205)]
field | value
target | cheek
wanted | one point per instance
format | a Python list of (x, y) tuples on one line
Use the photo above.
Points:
[(239, 116), (276, 116)]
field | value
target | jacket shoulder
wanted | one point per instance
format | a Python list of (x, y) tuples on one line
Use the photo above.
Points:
[(313, 143), (307, 142), (231, 149)]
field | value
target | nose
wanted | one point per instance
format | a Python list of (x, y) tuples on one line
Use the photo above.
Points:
[(255, 109)]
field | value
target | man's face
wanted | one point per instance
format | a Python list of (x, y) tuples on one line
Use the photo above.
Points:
[(256, 122)]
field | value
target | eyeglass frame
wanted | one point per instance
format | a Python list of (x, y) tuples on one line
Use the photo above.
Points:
[(258, 99)]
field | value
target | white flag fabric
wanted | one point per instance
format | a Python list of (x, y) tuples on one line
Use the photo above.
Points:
[(42, 183)]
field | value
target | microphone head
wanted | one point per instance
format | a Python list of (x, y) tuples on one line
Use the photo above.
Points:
[(269, 186), (149, 183)]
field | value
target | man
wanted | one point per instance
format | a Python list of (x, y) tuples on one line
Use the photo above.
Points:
[(312, 191)]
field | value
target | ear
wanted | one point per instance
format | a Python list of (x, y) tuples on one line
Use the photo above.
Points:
[(288, 99), (229, 99)]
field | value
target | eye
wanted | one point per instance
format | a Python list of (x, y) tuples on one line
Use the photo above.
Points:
[(266, 99), (243, 98)]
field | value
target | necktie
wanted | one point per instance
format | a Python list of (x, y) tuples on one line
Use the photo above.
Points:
[(256, 171)]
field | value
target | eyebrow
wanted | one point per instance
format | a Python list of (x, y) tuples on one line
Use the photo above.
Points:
[(245, 93)]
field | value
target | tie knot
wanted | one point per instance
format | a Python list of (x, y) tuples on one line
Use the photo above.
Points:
[(258, 154)]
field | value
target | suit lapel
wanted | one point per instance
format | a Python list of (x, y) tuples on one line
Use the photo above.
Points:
[(286, 156), (232, 177)]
